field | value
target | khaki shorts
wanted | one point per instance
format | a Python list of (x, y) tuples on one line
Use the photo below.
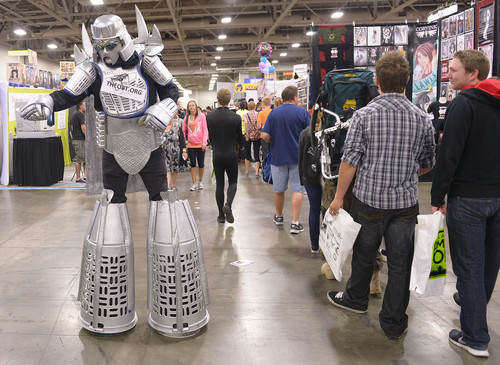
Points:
[(79, 146)]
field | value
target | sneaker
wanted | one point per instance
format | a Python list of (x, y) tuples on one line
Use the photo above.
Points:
[(396, 337), (336, 298), (456, 339), (314, 249), (278, 220), (200, 185), (221, 219), (456, 298), (257, 176), (296, 228), (193, 187), (80, 181), (229, 213)]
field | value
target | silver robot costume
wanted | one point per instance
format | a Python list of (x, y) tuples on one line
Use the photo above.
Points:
[(124, 76)]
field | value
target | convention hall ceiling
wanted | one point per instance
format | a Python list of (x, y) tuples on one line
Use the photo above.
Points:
[(191, 28)]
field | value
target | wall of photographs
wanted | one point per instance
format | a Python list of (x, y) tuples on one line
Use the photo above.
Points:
[(21, 75), (485, 16)]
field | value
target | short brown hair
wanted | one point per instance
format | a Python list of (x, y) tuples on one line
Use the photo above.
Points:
[(278, 101), (393, 70), (289, 93), (251, 105), (266, 101), (223, 96), (473, 59)]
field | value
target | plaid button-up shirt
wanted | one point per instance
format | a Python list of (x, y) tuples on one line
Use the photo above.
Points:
[(388, 141)]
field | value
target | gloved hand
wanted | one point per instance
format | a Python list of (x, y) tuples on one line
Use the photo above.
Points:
[(158, 116), (39, 108)]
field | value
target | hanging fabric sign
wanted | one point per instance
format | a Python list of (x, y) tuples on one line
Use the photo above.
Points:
[(425, 52)]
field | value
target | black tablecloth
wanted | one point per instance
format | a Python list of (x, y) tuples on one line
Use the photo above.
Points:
[(38, 161)]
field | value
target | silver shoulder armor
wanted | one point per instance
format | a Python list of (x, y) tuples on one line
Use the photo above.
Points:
[(157, 70), (85, 74)]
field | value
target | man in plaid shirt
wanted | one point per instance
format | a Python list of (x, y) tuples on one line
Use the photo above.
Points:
[(390, 143)]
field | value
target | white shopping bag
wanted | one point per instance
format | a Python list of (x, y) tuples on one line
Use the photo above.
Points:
[(428, 269), (336, 238)]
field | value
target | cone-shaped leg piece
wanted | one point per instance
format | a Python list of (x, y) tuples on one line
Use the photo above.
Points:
[(177, 282), (106, 292)]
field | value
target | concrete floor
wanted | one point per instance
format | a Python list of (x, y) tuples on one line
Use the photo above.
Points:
[(273, 311)]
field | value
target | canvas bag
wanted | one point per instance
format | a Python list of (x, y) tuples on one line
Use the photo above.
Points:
[(428, 269), (336, 238)]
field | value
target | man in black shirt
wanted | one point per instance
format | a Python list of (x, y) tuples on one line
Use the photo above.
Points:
[(77, 124)]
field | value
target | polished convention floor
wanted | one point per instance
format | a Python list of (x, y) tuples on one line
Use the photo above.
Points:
[(273, 311)]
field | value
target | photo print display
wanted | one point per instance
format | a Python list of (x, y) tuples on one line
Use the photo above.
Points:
[(452, 47), (373, 55), (360, 56), (469, 20), (445, 28), (374, 36), (453, 26), (387, 35), (460, 42), (469, 40), (487, 49), (444, 49), (443, 90), (360, 34), (444, 71), (460, 23), (400, 35), (486, 24)]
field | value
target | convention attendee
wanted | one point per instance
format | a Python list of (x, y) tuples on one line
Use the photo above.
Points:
[(278, 102), (196, 134), (224, 129), (389, 143), (438, 110), (262, 117), (282, 130), (468, 172), (77, 125), (252, 138), (242, 110), (175, 150)]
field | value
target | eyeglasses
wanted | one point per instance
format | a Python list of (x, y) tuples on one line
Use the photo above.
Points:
[(109, 46)]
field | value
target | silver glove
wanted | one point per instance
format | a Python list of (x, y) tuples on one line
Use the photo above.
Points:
[(158, 115), (39, 108)]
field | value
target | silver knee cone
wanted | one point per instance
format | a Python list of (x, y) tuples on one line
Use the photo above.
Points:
[(177, 282), (106, 292)]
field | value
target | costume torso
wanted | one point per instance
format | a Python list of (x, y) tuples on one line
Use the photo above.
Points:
[(124, 96)]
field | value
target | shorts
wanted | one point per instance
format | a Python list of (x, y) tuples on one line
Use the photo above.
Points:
[(79, 146), (196, 154), (283, 174)]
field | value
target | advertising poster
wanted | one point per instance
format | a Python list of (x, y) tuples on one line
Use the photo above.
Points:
[(486, 24), (360, 34), (425, 60), (374, 36), (387, 34), (401, 35)]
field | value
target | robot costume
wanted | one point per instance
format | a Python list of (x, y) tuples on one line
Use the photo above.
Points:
[(126, 78)]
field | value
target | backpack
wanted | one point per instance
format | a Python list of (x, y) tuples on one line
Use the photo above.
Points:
[(345, 90), (253, 131), (266, 169)]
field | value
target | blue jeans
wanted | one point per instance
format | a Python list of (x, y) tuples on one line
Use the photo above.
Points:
[(314, 193), (474, 231), (398, 228)]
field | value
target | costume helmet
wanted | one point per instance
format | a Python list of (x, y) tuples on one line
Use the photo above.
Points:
[(111, 39)]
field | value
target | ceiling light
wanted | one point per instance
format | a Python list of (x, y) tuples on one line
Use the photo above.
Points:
[(310, 33), (96, 2), (283, 54), (295, 45), (213, 64), (275, 61), (52, 45), (219, 49), (337, 14), (72, 56), (20, 31), (225, 20), (222, 36), (218, 57), (215, 75)]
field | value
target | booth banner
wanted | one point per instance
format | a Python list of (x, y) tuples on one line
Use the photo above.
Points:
[(425, 53)]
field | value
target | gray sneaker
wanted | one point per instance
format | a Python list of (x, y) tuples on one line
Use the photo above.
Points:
[(200, 185), (296, 228), (278, 220), (455, 337), (193, 187)]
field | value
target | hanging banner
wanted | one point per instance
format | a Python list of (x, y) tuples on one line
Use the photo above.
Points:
[(425, 53)]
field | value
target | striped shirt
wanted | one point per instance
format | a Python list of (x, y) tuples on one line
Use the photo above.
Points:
[(388, 141)]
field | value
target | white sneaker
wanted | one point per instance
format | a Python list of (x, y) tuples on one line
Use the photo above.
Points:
[(194, 187), (200, 185)]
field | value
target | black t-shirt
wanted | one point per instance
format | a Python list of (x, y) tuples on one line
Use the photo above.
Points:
[(438, 110), (76, 122), (224, 131)]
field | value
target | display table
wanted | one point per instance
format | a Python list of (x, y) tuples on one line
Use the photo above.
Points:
[(38, 161)]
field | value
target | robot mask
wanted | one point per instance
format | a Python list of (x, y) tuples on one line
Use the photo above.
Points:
[(111, 39)]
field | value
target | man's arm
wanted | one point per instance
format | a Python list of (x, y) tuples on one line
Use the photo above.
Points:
[(266, 137), (346, 174)]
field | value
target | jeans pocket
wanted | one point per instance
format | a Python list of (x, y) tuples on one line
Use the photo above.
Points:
[(471, 210)]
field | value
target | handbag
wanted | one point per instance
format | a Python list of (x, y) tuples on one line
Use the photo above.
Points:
[(336, 238), (428, 269)]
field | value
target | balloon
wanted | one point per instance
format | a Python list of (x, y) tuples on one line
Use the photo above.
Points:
[(262, 65), (271, 69), (265, 71), (263, 59)]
